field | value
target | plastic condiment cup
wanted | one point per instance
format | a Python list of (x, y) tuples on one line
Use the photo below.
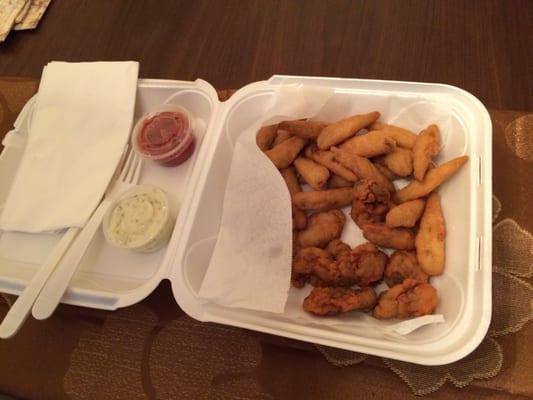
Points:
[(161, 232), (180, 149)]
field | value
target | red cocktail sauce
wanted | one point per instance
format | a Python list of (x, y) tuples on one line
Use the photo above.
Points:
[(167, 138)]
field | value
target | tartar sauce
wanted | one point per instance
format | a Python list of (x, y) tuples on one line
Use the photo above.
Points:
[(138, 221)]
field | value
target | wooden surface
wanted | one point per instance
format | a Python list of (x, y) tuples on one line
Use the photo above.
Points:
[(481, 46)]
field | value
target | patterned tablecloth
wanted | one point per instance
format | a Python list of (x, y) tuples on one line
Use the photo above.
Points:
[(154, 350)]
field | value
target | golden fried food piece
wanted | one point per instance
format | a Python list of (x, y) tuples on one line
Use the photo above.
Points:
[(299, 218), (295, 245), (286, 152), (327, 159), (407, 299), (371, 263), (430, 239), (434, 177), (425, 148), (324, 200), (305, 262), (309, 149), (304, 129), (322, 228), (337, 181), (361, 167), (315, 175), (406, 214), (281, 136), (370, 203), (401, 266), (399, 161), (289, 175), (371, 144), (387, 173), (341, 130), (393, 238), (331, 301), (363, 266), (265, 137), (337, 248), (403, 137)]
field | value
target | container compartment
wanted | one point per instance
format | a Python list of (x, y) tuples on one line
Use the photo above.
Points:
[(109, 277), (464, 289)]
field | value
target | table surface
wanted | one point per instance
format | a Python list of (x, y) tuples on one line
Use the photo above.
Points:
[(481, 46), (153, 350)]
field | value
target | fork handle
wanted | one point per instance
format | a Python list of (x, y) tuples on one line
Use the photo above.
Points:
[(56, 286), (21, 308)]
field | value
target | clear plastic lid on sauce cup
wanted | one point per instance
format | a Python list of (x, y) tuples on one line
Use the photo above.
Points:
[(166, 135)]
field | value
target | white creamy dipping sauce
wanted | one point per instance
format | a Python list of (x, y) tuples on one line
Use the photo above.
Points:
[(137, 219)]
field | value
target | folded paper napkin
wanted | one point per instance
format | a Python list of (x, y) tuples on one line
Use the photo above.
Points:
[(81, 123)]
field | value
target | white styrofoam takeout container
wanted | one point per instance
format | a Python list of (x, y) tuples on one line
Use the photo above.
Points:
[(110, 278)]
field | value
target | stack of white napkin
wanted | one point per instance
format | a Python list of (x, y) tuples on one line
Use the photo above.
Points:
[(81, 123)]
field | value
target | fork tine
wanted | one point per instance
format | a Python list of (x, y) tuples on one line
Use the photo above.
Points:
[(137, 172), (122, 161), (127, 166), (131, 170)]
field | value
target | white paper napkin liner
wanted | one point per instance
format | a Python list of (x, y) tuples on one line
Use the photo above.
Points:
[(259, 293), (251, 263)]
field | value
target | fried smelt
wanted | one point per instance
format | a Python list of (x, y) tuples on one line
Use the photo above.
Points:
[(394, 238), (327, 159), (361, 167), (324, 199), (431, 237), (403, 137), (295, 245), (322, 228), (286, 152), (299, 218), (399, 161), (281, 136), (387, 173), (341, 130), (315, 175), (425, 148), (337, 181), (433, 178), (371, 144), (405, 214), (303, 129), (265, 137)]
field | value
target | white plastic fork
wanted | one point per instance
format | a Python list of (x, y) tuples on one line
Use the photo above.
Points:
[(57, 284)]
